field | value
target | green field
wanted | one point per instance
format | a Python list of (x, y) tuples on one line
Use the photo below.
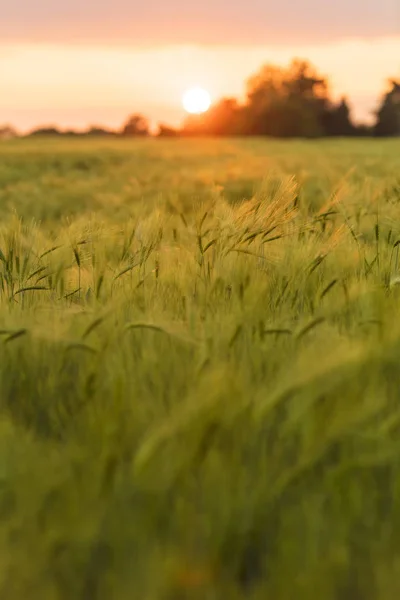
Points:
[(199, 370)]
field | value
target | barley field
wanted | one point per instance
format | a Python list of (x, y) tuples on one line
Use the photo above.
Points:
[(199, 370)]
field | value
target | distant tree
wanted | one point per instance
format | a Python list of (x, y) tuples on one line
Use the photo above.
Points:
[(225, 117), (45, 131), (281, 102), (388, 114), (337, 120), (136, 125), (7, 132), (264, 97), (289, 102), (71, 133), (97, 131), (302, 81), (222, 119), (166, 131)]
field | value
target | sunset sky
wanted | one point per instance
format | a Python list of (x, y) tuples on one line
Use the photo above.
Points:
[(76, 63)]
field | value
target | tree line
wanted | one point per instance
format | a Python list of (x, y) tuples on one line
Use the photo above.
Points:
[(295, 101), (281, 102)]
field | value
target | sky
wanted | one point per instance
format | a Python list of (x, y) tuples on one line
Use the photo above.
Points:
[(75, 63)]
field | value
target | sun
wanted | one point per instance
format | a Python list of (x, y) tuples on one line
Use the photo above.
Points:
[(196, 101)]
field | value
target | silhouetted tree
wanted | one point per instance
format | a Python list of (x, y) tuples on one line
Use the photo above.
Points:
[(337, 120), (264, 99), (72, 133), (136, 125), (7, 132), (45, 131), (289, 102), (166, 131), (281, 102), (388, 115), (223, 118), (97, 131)]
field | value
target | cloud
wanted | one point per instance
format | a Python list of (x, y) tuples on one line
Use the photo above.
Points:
[(157, 22)]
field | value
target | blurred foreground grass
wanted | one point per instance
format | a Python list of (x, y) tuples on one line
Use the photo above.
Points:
[(199, 396)]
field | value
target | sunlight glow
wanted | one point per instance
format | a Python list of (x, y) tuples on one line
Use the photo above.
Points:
[(196, 101)]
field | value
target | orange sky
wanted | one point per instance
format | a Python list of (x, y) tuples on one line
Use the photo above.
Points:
[(96, 62), (78, 86)]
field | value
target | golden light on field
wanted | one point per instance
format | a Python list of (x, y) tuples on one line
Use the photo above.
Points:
[(196, 101)]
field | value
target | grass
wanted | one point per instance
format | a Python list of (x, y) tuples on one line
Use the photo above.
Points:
[(199, 394)]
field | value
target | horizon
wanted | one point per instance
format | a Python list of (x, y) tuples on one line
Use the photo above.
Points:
[(86, 67)]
